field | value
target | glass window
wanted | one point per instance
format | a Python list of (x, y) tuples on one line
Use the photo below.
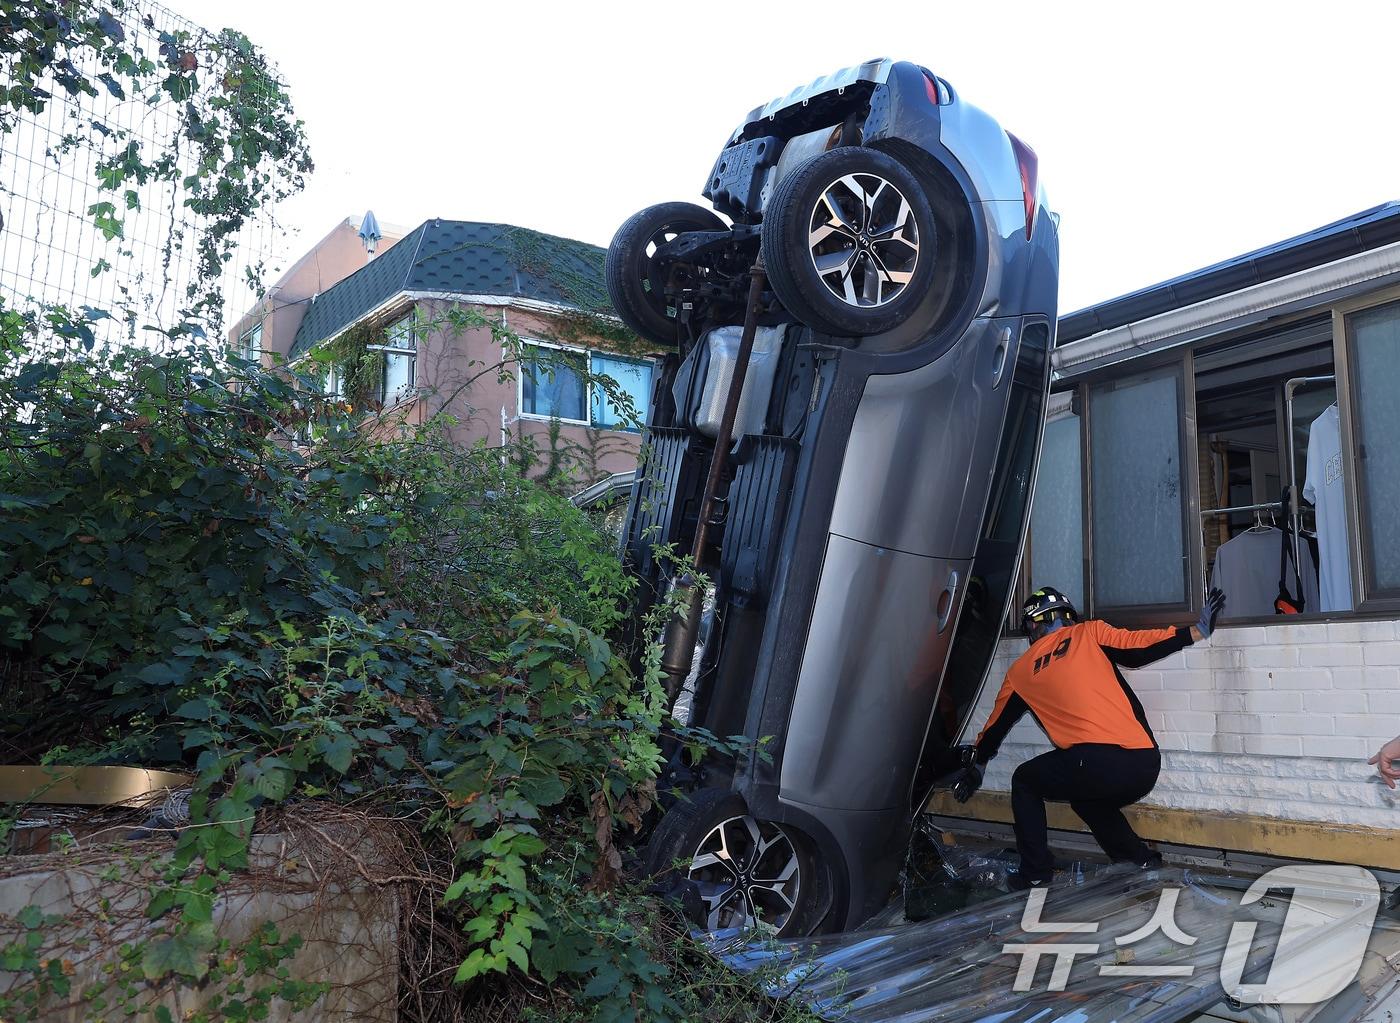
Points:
[(400, 353), (1375, 387), (1057, 514), (633, 378), (553, 383), (250, 344), (398, 376), (1136, 483)]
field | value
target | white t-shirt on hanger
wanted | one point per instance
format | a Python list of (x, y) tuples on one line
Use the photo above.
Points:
[(1324, 488)]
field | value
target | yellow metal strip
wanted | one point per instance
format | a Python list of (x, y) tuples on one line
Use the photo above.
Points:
[(1209, 829), (85, 786)]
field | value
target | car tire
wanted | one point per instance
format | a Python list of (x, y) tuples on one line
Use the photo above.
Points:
[(741, 872), (633, 287), (850, 242)]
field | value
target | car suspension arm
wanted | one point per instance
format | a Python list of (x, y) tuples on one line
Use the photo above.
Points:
[(678, 649)]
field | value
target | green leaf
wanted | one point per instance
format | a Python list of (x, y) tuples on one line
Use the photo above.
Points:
[(529, 845), (163, 674), (544, 790), (478, 963), (337, 749), (603, 982), (186, 955), (196, 709), (456, 888), (517, 955), (273, 783), (28, 589), (596, 657), (30, 917)]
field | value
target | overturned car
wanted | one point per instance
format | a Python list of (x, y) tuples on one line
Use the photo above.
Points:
[(891, 250)]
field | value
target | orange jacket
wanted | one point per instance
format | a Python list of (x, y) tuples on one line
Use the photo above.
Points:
[(1069, 680)]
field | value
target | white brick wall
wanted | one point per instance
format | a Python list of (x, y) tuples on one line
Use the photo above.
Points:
[(1272, 720)]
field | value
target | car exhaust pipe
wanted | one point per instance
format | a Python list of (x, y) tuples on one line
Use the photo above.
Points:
[(678, 646)]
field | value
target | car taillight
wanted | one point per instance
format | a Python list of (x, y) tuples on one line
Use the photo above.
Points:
[(931, 87), (1029, 165)]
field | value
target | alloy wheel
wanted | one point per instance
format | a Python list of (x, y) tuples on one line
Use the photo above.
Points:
[(864, 240), (748, 875)]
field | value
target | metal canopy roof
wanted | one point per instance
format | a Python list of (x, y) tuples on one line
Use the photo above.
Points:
[(1357, 233)]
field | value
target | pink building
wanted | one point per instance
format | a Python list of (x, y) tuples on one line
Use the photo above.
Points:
[(424, 308)]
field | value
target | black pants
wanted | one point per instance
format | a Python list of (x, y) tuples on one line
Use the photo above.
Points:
[(1097, 782)]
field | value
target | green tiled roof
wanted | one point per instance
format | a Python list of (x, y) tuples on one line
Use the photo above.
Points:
[(464, 258)]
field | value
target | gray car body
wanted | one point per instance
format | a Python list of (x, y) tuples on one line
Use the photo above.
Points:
[(890, 507)]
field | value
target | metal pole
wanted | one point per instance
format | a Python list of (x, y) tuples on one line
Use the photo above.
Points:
[(1295, 513), (678, 647), (1265, 506)]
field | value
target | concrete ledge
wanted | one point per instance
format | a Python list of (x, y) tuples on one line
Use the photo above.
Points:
[(98, 900), (1206, 829)]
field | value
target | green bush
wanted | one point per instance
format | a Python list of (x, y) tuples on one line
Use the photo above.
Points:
[(161, 522), (378, 621), (182, 581)]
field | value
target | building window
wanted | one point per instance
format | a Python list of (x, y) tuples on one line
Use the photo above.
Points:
[(1375, 395), (250, 343), (555, 383), (633, 378), (1057, 515), (400, 353), (1137, 491), (1292, 482)]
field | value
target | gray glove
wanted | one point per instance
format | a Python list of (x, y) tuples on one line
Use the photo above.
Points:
[(1215, 602)]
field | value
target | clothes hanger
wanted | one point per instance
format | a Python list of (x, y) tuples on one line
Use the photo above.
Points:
[(1259, 526)]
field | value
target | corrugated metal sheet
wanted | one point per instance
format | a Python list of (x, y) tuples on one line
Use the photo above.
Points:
[(967, 967)]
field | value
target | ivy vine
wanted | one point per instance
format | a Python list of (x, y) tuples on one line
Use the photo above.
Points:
[(246, 151)]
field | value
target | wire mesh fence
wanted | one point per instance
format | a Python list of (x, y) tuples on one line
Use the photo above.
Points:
[(133, 250)]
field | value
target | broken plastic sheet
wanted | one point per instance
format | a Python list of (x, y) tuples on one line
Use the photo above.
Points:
[(964, 967)]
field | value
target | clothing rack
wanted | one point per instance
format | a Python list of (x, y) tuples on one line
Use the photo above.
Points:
[(1264, 506)]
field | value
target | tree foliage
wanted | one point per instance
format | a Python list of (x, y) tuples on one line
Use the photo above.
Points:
[(182, 582), (211, 566), (235, 149)]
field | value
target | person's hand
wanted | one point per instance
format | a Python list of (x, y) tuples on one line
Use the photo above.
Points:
[(969, 779), (1215, 602), (1385, 762)]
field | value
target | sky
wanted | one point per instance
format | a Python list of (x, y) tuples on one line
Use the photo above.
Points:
[(1170, 136)]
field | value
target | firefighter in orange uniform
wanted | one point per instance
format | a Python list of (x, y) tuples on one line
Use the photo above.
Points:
[(1105, 755)]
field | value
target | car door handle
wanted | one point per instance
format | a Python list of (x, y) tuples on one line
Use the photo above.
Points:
[(946, 600), (999, 355)]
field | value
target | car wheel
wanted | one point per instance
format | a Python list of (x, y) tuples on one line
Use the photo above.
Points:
[(635, 289), (747, 873), (849, 241)]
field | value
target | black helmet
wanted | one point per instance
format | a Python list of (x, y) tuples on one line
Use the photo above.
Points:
[(1045, 606)]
